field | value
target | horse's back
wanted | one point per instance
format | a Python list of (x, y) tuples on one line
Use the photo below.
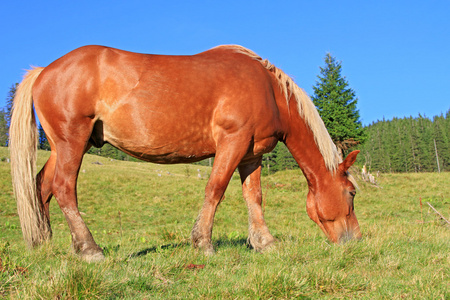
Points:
[(157, 104)]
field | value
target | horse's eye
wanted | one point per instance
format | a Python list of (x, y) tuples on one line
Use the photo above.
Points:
[(353, 193)]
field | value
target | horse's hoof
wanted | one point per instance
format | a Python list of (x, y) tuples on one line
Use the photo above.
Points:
[(91, 253), (206, 247), (93, 257), (209, 251), (263, 245), (268, 247)]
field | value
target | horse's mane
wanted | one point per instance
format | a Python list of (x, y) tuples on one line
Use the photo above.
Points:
[(306, 108)]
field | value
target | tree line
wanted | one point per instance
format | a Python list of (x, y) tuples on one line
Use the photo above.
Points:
[(409, 144)]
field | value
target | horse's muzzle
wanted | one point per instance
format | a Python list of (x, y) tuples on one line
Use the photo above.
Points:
[(349, 235)]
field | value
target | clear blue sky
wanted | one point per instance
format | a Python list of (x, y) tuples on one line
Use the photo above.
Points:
[(395, 54)]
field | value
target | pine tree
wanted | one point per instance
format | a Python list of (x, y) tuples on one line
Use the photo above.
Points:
[(426, 145), (336, 103), (285, 160), (279, 159), (412, 131), (43, 142), (388, 141), (3, 129), (9, 103), (441, 138), (5, 116)]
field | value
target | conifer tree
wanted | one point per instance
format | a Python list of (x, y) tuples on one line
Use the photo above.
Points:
[(9, 103), (5, 116), (279, 159), (3, 129), (284, 159), (441, 137), (43, 142), (336, 103)]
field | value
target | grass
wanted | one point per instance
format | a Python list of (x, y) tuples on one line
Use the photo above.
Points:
[(141, 215)]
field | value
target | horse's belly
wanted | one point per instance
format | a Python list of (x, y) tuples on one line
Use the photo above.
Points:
[(174, 151), (162, 146), (171, 158)]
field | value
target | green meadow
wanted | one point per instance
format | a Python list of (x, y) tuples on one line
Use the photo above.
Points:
[(141, 214)]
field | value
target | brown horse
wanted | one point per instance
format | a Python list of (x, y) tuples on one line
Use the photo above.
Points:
[(226, 102)]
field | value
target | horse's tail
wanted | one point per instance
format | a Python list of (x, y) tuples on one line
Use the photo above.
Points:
[(23, 150)]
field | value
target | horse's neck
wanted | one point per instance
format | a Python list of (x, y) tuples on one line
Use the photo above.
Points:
[(301, 143)]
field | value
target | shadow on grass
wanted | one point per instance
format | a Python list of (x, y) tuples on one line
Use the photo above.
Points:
[(155, 249), (220, 243), (227, 242)]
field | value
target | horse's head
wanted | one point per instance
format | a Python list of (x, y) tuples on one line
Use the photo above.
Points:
[(330, 204)]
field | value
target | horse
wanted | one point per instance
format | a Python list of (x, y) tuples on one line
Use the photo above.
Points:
[(226, 102)]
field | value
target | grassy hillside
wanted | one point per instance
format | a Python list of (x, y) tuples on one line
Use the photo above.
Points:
[(141, 214)]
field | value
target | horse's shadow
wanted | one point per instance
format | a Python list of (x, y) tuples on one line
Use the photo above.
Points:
[(155, 249), (227, 242), (218, 244)]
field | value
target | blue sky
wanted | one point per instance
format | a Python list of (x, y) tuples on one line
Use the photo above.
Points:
[(395, 54)]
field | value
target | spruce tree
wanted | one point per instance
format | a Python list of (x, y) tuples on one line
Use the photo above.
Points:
[(3, 129), (9, 102), (279, 159), (284, 159), (5, 116), (336, 103), (43, 142), (441, 138)]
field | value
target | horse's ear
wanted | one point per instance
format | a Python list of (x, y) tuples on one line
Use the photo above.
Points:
[(348, 161)]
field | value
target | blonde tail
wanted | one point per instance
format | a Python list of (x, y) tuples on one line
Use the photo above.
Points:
[(23, 148)]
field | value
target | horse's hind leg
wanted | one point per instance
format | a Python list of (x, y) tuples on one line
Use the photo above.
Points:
[(259, 236), (68, 162), (44, 181)]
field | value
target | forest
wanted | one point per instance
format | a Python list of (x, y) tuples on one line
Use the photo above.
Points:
[(409, 144)]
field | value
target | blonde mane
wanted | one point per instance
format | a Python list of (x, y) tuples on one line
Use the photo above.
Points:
[(306, 108)]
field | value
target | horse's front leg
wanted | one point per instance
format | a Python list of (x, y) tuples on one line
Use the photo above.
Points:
[(227, 159), (259, 236)]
